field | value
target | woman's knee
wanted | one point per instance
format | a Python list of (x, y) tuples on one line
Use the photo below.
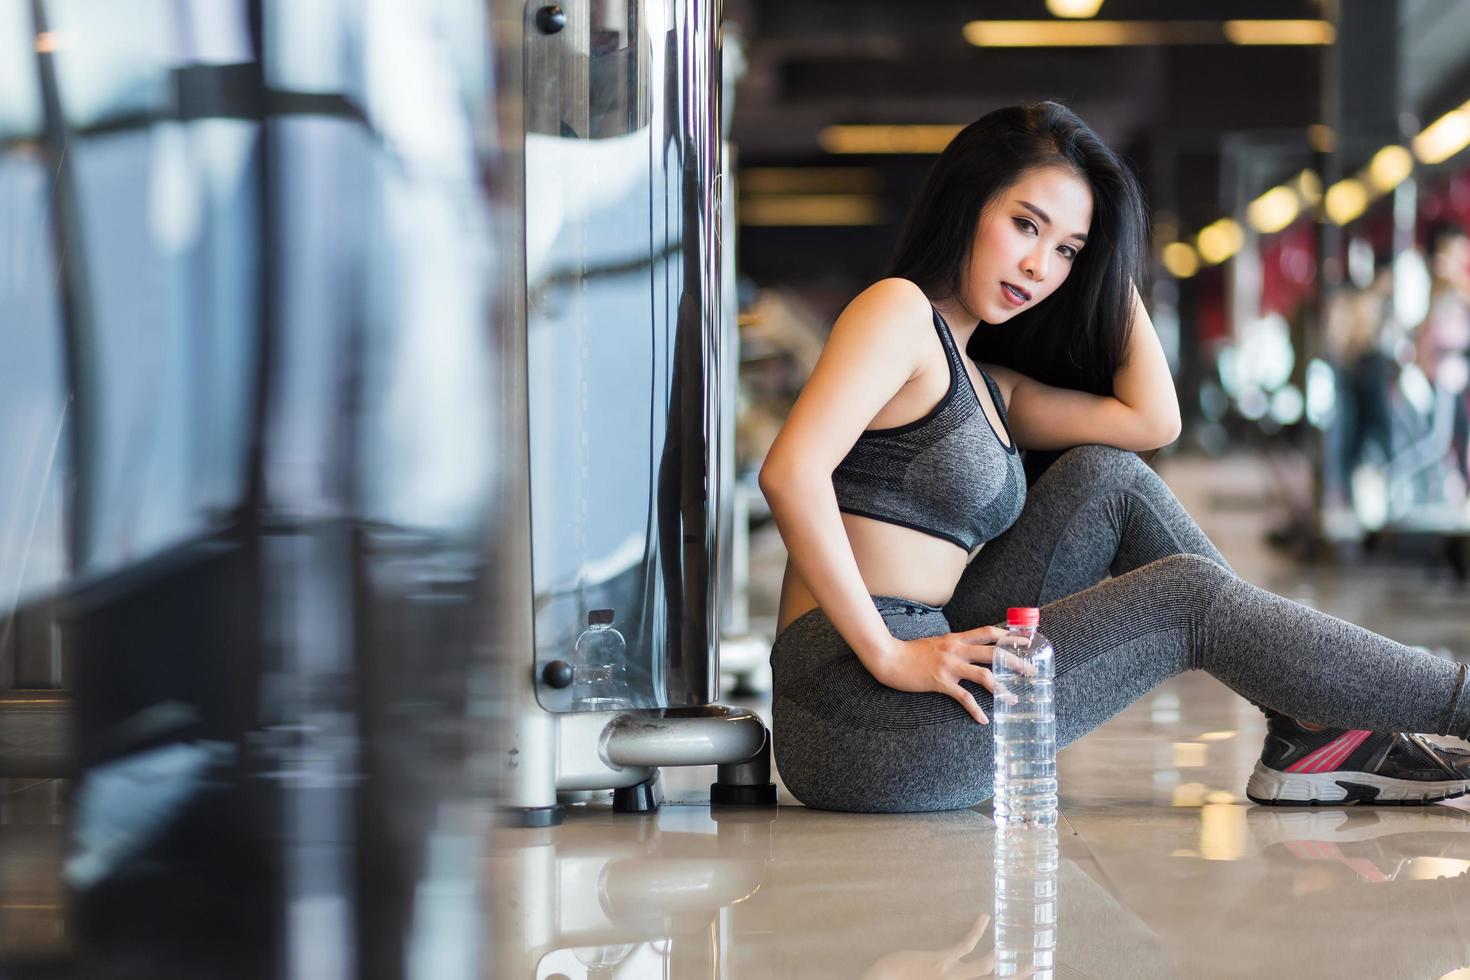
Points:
[(1202, 576), (1095, 465)]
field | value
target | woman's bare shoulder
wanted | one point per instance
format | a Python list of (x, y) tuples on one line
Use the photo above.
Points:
[(884, 325), (875, 348), (893, 314), (900, 296)]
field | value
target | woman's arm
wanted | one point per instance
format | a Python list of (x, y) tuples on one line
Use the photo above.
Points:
[(874, 349), (1142, 413)]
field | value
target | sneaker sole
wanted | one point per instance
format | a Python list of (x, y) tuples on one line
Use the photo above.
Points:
[(1271, 787)]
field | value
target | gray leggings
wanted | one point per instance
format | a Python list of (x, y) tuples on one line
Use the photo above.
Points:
[(843, 741)]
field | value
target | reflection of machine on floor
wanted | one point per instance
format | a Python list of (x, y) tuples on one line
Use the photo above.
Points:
[(621, 402), (593, 896)]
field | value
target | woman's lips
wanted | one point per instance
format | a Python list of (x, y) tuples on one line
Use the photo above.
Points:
[(1015, 295)]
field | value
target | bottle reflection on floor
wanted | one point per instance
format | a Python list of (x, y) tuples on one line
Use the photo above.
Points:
[(1026, 902)]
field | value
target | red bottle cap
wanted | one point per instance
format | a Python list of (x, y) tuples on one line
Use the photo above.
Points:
[(1023, 616)]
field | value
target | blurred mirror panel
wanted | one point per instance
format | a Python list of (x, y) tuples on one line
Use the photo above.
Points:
[(253, 262)]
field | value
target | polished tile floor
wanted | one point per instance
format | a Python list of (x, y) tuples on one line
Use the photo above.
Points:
[(32, 836), (1161, 868)]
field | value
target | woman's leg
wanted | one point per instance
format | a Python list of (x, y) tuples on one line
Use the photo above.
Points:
[(1097, 511), (843, 741), (1119, 639), (1100, 511)]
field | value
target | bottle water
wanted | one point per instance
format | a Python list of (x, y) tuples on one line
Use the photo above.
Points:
[(599, 666), (1026, 902), (1025, 725)]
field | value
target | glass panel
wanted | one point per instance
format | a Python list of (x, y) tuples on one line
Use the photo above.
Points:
[(314, 47), (427, 445), (33, 401), (222, 309), (20, 97), (170, 277), (321, 278), (385, 299), (112, 59), (218, 33)]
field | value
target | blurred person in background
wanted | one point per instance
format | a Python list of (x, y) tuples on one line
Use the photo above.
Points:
[(1443, 339), (897, 487), (1357, 345)]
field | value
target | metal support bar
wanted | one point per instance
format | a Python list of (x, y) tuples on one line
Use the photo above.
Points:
[(615, 749), (683, 737)]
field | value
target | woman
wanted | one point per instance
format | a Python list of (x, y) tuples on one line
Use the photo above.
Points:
[(899, 461)]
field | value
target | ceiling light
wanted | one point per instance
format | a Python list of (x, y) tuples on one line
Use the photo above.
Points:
[(1073, 8), (807, 180), (1181, 260), (1273, 210), (1218, 241), (1088, 33), (1389, 167), (1345, 200), (1446, 136), (786, 210), (1118, 33), (887, 139), (1308, 187), (1279, 32)]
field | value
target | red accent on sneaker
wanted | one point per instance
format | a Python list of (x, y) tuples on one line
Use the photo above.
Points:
[(1331, 755)]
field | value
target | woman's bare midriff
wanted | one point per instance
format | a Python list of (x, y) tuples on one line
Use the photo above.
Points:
[(892, 559)]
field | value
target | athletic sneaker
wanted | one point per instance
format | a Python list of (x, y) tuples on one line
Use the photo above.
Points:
[(1337, 766)]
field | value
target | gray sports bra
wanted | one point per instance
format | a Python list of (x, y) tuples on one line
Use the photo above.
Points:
[(947, 474)]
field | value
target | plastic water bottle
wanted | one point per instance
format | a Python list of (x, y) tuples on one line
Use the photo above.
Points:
[(1025, 725), (1026, 902), (600, 667)]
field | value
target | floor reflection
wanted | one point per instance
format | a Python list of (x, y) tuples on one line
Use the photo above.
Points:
[(32, 836), (684, 893)]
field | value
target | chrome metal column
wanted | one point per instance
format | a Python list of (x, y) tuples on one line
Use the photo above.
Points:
[(624, 482)]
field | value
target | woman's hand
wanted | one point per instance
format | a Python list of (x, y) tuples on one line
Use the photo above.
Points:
[(939, 663), (943, 964)]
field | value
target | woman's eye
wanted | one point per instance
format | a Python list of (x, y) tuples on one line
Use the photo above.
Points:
[(1025, 225), (1068, 251)]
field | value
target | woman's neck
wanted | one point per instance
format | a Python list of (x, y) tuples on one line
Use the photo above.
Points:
[(962, 323)]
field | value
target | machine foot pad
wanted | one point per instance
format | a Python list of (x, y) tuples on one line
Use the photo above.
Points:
[(729, 794), (635, 799), (531, 816)]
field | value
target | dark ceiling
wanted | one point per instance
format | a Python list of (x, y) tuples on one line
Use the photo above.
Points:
[(1181, 114)]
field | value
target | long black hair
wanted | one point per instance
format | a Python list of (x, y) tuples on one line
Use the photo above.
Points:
[(1078, 336)]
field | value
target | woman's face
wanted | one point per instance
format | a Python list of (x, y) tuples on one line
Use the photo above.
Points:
[(1027, 239)]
